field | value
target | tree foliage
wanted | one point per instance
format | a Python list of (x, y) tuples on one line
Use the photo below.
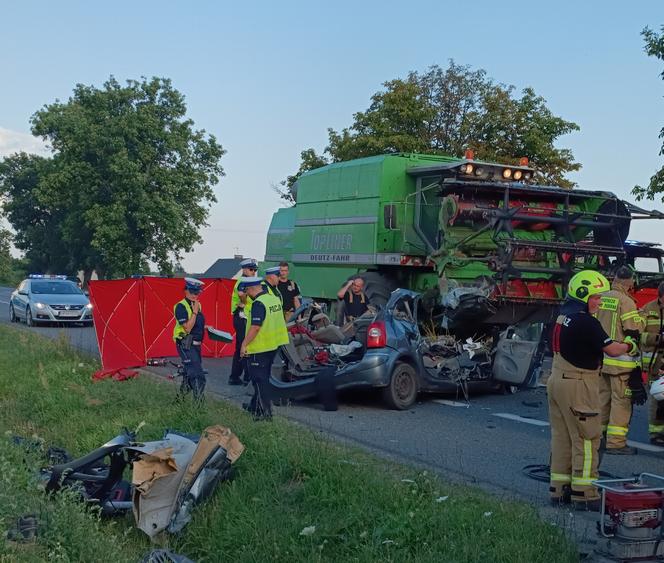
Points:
[(446, 111), (130, 180), (6, 260), (654, 47), (37, 225)]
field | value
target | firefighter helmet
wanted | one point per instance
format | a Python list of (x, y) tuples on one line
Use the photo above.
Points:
[(587, 283)]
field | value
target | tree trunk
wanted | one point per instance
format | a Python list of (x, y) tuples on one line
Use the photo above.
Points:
[(87, 274)]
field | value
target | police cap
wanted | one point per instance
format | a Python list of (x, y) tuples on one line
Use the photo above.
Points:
[(249, 263), (246, 282), (192, 285)]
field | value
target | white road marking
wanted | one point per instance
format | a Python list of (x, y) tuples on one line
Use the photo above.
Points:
[(452, 403), (647, 447), (638, 445), (518, 418), (5, 302)]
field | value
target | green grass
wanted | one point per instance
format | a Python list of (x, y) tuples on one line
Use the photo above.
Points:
[(363, 508)]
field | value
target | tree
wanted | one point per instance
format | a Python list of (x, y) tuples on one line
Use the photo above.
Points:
[(6, 260), (309, 161), (36, 224), (654, 47), (130, 180), (446, 111)]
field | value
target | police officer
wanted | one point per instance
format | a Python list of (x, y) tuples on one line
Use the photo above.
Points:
[(272, 282), (188, 335), (652, 356), (240, 306), (621, 383), (265, 334), (578, 343)]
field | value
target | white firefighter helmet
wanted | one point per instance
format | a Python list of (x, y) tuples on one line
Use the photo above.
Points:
[(657, 389)]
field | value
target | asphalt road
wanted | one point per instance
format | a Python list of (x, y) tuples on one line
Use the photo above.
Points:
[(485, 441)]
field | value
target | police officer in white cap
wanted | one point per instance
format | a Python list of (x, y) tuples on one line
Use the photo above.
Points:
[(239, 306), (272, 282), (188, 336), (266, 332)]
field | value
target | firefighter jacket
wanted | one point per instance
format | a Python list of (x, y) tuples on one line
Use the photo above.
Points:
[(620, 318), (650, 338)]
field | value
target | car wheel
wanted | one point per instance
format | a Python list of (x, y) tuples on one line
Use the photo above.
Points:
[(12, 315), (401, 392), (28, 317)]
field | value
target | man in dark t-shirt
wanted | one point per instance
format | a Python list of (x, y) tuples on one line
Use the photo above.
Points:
[(290, 291), (356, 303), (579, 343), (581, 340)]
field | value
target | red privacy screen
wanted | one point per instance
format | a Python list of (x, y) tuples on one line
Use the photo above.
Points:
[(134, 318)]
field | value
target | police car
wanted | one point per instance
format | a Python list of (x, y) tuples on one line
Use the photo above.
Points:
[(49, 298)]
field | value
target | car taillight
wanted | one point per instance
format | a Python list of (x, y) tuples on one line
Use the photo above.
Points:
[(376, 337)]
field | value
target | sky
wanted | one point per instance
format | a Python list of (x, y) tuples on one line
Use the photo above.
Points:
[(268, 79)]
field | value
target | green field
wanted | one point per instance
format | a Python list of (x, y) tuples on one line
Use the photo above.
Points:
[(289, 479)]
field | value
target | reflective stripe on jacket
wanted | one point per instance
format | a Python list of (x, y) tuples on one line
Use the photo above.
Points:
[(650, 337), (618, 314)]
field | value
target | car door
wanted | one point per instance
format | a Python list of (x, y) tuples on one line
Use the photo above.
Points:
[(20, 300)]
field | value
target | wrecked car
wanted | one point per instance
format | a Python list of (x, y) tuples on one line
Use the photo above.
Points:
[(169, 476), (403, 351)]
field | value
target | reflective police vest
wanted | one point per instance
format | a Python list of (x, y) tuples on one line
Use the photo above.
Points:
[(236, 301), (273, 332), (235, 298), (178, 329), (273, 291)]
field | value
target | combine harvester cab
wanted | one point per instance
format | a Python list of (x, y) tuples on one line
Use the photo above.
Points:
[(490, 251)]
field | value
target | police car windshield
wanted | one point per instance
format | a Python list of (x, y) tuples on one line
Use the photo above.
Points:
[(55, 287)]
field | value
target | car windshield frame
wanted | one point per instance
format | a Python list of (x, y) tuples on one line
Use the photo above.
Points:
[(49, 287)]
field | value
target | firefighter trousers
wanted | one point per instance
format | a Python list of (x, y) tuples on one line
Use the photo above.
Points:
[(616, 408), (655, 417), (575, 433)]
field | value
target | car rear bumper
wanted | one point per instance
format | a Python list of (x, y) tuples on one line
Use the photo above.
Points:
[(373, 370)]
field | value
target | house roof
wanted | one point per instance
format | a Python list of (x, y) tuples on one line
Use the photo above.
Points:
[(223, 268)]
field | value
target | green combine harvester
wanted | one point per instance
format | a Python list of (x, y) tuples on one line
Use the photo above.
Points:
[(482, 232), (420, 221)]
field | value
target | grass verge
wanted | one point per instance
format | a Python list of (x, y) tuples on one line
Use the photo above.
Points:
[(362, 508)]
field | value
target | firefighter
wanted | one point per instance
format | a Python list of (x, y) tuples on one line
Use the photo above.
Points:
[(652, 355), (578, 343), (271, 282), (621, 383), (188, 335), (265, 334), (239, 303)]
